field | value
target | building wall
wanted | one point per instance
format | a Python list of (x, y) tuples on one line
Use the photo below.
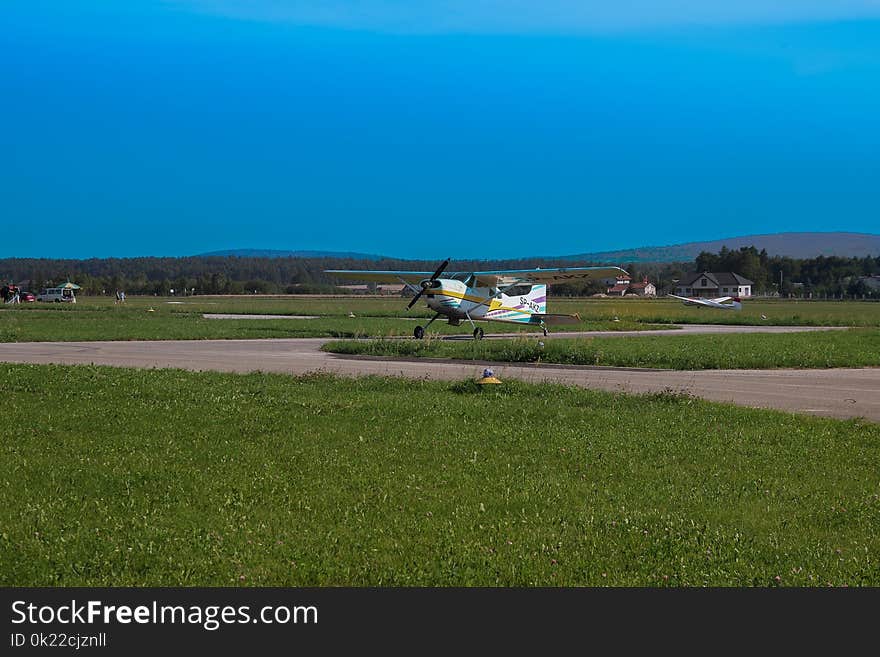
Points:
[(722, 291), (704, 286), (698, 291), (648, 291)]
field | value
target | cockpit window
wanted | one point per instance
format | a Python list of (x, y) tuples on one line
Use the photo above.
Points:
[(519, 290)]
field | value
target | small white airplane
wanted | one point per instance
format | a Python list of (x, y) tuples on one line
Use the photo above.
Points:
[(720, 302), (514, 296)]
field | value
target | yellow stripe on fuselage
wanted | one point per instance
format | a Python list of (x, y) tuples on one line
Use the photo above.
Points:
[(459, 295), (467, 297)]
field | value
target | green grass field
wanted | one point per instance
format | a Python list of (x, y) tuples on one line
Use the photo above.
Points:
[(164, 477), (849, 348), (754, 312), (100, 319), (97, 318)]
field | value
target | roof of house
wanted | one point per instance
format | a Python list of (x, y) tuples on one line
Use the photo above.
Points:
[(620, 287), (719, 278), (639, 286)]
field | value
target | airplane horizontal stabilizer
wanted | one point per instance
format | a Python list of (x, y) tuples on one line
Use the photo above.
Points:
[(557, 320)]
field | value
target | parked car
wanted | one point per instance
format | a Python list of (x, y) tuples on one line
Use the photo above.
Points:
[(26, 296)]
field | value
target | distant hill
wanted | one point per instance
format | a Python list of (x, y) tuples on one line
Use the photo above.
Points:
[(272, 253), (793, 245)]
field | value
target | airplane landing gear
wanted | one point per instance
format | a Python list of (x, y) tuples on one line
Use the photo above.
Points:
[(419, 331), (478, 333)]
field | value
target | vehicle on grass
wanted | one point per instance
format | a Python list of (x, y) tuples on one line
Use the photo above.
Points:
[(26, 297), (720, 302), (57, 294), (514, 296)]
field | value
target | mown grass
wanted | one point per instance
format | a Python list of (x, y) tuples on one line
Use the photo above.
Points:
[(755, 312), (129, 324), (157, 319), (164, 477), (98, 318), (849, 348)]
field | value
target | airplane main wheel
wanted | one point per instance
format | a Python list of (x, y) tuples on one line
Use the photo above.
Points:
[(419, 332), (478, 333)]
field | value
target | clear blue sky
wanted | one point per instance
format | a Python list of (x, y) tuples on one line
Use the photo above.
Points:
[(433, 129)]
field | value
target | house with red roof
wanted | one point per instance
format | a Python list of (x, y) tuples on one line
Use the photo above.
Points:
[(625, 287)]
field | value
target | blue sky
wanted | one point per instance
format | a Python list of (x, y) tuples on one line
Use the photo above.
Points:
[(433, 129)]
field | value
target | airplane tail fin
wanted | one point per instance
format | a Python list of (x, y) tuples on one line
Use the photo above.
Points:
[(737, 303), (538, 295)]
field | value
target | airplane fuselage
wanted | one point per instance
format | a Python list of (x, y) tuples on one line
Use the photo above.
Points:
[(458, 301)]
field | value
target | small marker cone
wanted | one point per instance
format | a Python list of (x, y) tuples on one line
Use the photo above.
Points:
[(488, 377)]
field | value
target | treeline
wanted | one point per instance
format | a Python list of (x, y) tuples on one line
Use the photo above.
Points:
[(822, 276), (219, 274), (830, 276), (197, 274)]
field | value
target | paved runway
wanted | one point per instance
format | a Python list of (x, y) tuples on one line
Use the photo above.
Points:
[(843, 393), (240, 316), (676, 329)]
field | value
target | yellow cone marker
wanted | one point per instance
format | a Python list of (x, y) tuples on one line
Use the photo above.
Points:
[(488, 377)]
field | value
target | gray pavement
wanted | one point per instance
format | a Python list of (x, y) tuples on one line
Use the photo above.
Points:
[(241, 316), (842, 393), (677, 329)]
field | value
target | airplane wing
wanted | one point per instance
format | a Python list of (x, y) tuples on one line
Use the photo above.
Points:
[(413, 277), (696, 301), (487, 278), (710, 303), (547, 276)]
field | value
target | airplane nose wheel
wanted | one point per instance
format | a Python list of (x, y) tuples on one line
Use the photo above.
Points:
[(478, 333), (419, 333)]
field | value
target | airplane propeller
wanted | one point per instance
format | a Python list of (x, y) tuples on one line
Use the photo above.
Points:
[(427, 283)]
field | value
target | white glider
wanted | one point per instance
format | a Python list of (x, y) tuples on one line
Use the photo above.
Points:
[(720, 302)]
